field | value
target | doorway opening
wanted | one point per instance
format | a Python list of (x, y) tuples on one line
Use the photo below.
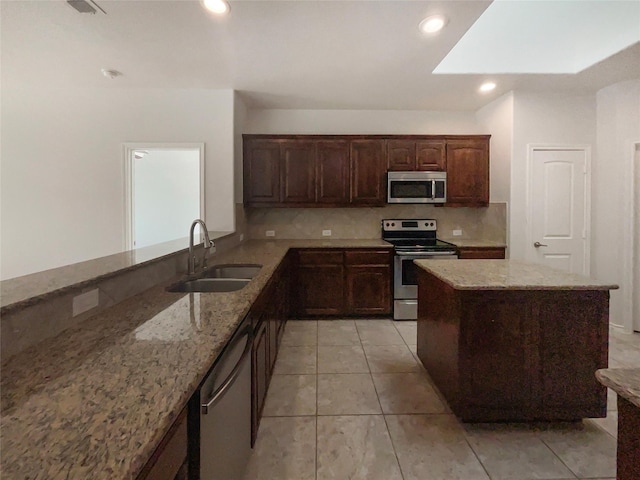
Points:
[(164, 191)]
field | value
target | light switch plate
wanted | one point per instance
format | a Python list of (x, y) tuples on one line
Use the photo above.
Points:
[(457, 233), (85, 302), (270, 233), (326, 233)]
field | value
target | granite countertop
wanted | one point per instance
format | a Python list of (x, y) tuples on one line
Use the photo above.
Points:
[(22, 291), (95, 401), (624, 381), (507, 275)]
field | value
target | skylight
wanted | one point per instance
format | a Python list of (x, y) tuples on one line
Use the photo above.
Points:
[(542, 36)]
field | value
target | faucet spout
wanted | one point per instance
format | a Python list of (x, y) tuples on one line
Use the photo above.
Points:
[(191, 266)]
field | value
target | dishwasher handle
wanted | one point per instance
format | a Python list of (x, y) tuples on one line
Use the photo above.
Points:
[(216, 396)]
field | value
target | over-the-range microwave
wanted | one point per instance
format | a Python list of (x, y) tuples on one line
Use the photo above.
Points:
[(416, 187)]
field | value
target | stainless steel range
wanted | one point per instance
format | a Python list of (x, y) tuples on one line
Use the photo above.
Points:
[(412, 239)]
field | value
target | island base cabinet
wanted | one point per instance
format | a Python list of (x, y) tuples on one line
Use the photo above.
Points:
[(628, 467), (514, 355)]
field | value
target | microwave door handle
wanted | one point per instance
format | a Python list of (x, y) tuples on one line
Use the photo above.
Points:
[(433, 189)]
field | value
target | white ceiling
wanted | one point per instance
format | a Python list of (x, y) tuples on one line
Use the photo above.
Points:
[(280, 54)]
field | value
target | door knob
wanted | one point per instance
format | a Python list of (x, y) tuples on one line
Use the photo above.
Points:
[(538, 244)]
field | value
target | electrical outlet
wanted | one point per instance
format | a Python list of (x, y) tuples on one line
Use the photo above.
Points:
[(457, 233), (270, 233), (85, 302), (326, 233)]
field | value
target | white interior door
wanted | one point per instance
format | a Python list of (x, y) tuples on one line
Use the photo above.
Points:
[(559, 207)]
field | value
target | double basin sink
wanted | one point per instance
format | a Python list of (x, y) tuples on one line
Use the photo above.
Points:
[(219, 278)]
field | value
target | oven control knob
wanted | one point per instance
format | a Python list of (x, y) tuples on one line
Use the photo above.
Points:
[(393, 224)]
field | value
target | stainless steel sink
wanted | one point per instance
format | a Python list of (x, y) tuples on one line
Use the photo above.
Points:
[(210, 285), (233, 270)]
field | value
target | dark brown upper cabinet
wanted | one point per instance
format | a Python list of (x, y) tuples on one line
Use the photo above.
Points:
[(332, 172), (409, 155), (368, 172), (313, 171), (262, 172), (468, 172), (350, 170), (298, 172)]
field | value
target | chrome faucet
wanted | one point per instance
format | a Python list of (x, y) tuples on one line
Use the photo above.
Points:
[(191, 265)]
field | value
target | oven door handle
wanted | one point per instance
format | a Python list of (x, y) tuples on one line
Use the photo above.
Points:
[(426, 254)]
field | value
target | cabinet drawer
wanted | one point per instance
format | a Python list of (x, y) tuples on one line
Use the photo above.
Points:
[(466, 253), (367, 257), (320, 257)]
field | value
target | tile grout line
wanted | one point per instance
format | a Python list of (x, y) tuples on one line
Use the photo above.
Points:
[(384, 418), (556, 455)]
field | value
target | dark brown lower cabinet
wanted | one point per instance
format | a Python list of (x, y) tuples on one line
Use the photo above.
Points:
[(468, 253), (259, 375), (319, 284), (338, 282), (169, 461), (514, 355), (628, 440), (269, 315)]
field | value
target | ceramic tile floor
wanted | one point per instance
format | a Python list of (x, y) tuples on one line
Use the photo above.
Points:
[(349, 400)]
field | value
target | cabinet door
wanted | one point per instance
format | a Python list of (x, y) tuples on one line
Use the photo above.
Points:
[(261, 171), (320, 282), (468, 172), (368, 172), (259, 376), (369, 290), (332, 172), (496, 354), (573, 348), (298, 171), (430, 155), (401, 155)]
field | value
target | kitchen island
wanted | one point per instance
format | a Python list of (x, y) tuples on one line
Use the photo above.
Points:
[(506, 340), (626, 383)]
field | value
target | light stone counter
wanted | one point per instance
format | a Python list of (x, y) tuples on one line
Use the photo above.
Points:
[(25, 290), (94, 401), (507, 275), (624, 381)]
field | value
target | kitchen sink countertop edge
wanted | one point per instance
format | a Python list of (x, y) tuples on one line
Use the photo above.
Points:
[(95, 401)]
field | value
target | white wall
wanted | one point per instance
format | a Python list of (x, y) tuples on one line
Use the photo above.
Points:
[(618, 127), (497, 118), (361, 122), (240, 117), (62, 166), (542, 119)]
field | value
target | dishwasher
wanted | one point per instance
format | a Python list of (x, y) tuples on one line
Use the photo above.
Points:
[(225, 410)]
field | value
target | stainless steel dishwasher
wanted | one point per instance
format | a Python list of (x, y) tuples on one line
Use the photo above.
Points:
[(225, 416)]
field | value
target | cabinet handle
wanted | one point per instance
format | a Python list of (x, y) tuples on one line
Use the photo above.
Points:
[(233, 376)]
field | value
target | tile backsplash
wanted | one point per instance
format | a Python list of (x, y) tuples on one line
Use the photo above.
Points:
[(488, 223)]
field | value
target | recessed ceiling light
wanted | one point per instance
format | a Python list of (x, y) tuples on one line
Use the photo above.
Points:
[(487, 86), (433, 24), (219, 7)]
